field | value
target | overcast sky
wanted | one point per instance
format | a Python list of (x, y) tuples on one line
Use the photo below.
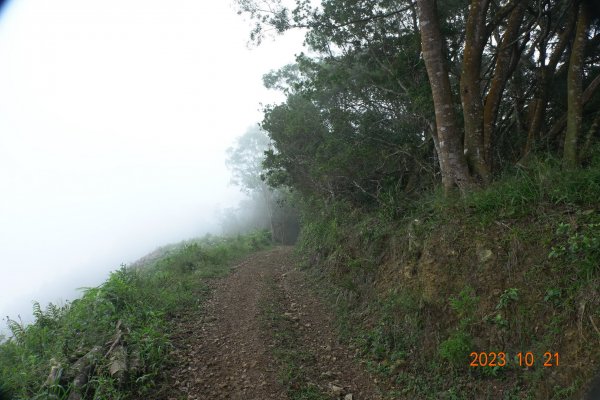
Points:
[(114, 120)]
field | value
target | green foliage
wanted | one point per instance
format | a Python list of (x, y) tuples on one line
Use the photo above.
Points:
[(140, 301), (553, 295), (343, 129), (456, 348), (396, 335), (521, 191), (358, 119), (504, 308), (465, 305), (566, 392), (532, 311), (580, 246), (509, 296), (517, 194)]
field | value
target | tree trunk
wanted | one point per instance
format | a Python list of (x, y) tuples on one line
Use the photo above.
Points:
[(505, 65), (538, 111), (452, 160), (470, 88), (267, 198), (586, 150), (574, 90), (559, 125)]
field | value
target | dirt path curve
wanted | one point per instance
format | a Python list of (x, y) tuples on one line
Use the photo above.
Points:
[(264, 335)]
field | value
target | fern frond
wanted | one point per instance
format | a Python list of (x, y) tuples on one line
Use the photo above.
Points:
[(37, 311), (53, 310), (17, 329)]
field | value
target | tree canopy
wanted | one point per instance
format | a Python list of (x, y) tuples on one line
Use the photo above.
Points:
[(396, 97)]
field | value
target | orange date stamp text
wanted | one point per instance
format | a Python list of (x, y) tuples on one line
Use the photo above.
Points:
[(521, 359)]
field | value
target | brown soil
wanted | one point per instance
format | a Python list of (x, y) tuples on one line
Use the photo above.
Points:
[(227, 350)]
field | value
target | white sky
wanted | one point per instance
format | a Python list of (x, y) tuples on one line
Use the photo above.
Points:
[(114, 120)]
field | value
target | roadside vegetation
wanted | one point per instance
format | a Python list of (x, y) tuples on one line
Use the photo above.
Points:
[(113, 342), (514, 268)]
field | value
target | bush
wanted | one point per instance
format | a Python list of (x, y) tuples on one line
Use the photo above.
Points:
[(456, 348)]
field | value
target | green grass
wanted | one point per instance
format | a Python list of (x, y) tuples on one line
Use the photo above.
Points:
[(140, 301), (523, 192), (541, 225)]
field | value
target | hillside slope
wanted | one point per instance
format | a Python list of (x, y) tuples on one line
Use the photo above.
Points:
[(433, 298)]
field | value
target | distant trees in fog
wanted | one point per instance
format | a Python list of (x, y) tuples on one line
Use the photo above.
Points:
[(265, 207)]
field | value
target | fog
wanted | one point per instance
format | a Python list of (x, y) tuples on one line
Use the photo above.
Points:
[(114, 121)]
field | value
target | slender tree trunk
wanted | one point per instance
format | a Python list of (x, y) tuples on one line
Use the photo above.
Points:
[(574, 90), (538, 111), (505, 65), (452, 160), (470, 88), (594, 128), (559, 125), (266, 195)]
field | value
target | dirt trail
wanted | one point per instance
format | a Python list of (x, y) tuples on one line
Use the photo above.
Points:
[(232, 349)]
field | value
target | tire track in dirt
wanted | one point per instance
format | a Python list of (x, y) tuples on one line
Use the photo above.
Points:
[(227, 351), (327, 364)]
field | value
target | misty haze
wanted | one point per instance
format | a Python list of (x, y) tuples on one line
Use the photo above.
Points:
[(115, 121), (300, 199)]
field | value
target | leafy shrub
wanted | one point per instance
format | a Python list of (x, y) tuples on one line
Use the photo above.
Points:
[(579, 246), (465, 305), (509, 296), (456, 348)]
